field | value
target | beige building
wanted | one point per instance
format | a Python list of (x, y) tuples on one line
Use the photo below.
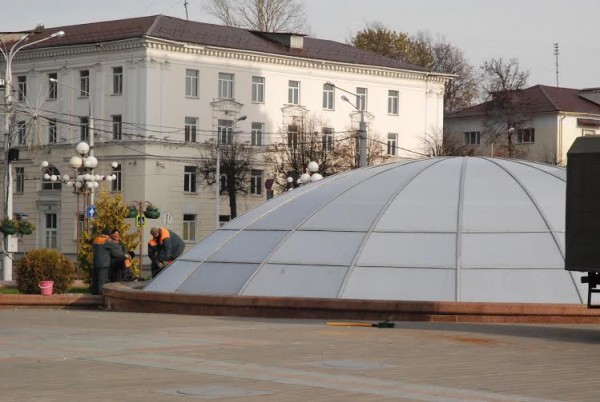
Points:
[(159, 88), (546, 122)]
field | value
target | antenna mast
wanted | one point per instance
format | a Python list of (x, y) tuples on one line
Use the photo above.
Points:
[(185, 4), (556, 56)]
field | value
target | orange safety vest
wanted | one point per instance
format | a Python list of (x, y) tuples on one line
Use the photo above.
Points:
[(164, 234)]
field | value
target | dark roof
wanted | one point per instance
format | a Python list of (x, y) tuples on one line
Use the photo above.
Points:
[(541, 99), (179, 30)]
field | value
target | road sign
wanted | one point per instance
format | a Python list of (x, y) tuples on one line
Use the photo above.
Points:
[(140, 221), (91, 212)]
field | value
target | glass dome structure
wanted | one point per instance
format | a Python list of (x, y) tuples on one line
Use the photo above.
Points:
[(440, 229)]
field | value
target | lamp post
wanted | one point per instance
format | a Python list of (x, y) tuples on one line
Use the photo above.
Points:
[(218, 172), (90, 122), (83, 182), (362, 127), (10, 245), (310, 175), (140, 223)]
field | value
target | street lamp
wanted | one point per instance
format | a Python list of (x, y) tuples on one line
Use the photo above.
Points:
[(362, 128), (90, 122), (218, 172), (310, 175), (84, 180), (10, 244)]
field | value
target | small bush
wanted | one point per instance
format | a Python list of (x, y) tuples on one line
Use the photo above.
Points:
[(41, 265)]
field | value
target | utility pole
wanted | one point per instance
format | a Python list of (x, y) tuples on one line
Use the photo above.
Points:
[(185, 4), (556, 57)]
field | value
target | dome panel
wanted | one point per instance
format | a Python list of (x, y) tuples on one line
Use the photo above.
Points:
[(422, 207), (209, 245), (170, 279), (409, 250), (382, 283), (249, 246), (296, 281), (364, 201), (526, 285), (218, 278), (494, 202), (311, 247), (508, 250), (311, 197), (548, 192)]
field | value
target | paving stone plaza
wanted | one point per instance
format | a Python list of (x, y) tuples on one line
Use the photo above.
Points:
[(58, 355)]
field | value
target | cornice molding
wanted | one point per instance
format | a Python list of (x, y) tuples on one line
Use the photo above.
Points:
[(235, 54)]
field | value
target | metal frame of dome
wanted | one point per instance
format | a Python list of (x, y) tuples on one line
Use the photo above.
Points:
[(438, 229)]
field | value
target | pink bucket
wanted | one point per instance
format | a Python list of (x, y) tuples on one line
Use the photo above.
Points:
[(46, 287)]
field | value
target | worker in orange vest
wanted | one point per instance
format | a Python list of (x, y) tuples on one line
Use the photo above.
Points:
[(169, 246)]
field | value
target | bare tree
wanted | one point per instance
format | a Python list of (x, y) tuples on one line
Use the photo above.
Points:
[(260, 15), (437, 144), (508, 108), (462, 91), (303, 141), (421, 49), (236, 161)]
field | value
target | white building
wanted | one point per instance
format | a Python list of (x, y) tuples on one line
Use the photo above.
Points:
[(159, 87), (549, 119)]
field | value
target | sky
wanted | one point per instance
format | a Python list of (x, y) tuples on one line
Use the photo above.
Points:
[(483, 29)]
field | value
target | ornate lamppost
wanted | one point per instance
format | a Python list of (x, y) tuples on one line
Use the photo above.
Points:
[(84, 181), (140, 210), (310, 175)]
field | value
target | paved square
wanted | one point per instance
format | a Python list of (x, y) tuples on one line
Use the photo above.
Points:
[(57, 355)]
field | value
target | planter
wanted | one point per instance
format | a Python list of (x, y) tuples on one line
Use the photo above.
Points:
[(132, 213), (25, 230), (152, 213), (9, 230)]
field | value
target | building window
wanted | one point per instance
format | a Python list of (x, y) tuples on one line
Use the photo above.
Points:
[(392, 143), (21, 133), (292, 136), (118, 181), (117, 127), (328, 96), (294, 92), (393, 102), (50, 230), (588, 131), (52, 132), (256, 182), (52, 86), (49, 184), (472, 138), (189, 179), (189, 227), (191, 83), (225, 132), (21, 88), (84, 83), (525, 136), (20, 185), (258, 89), (84, 124), (327, 139), (257, 134), (117, 80), (225, 86), (191, 126), (361, 99)]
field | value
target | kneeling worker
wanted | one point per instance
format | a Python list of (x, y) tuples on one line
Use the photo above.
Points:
[(169, 246)]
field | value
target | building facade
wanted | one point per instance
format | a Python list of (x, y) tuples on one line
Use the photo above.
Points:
[(158, 89), (543, 124)]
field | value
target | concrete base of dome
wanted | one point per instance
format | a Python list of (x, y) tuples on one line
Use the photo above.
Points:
[(120, 297)]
